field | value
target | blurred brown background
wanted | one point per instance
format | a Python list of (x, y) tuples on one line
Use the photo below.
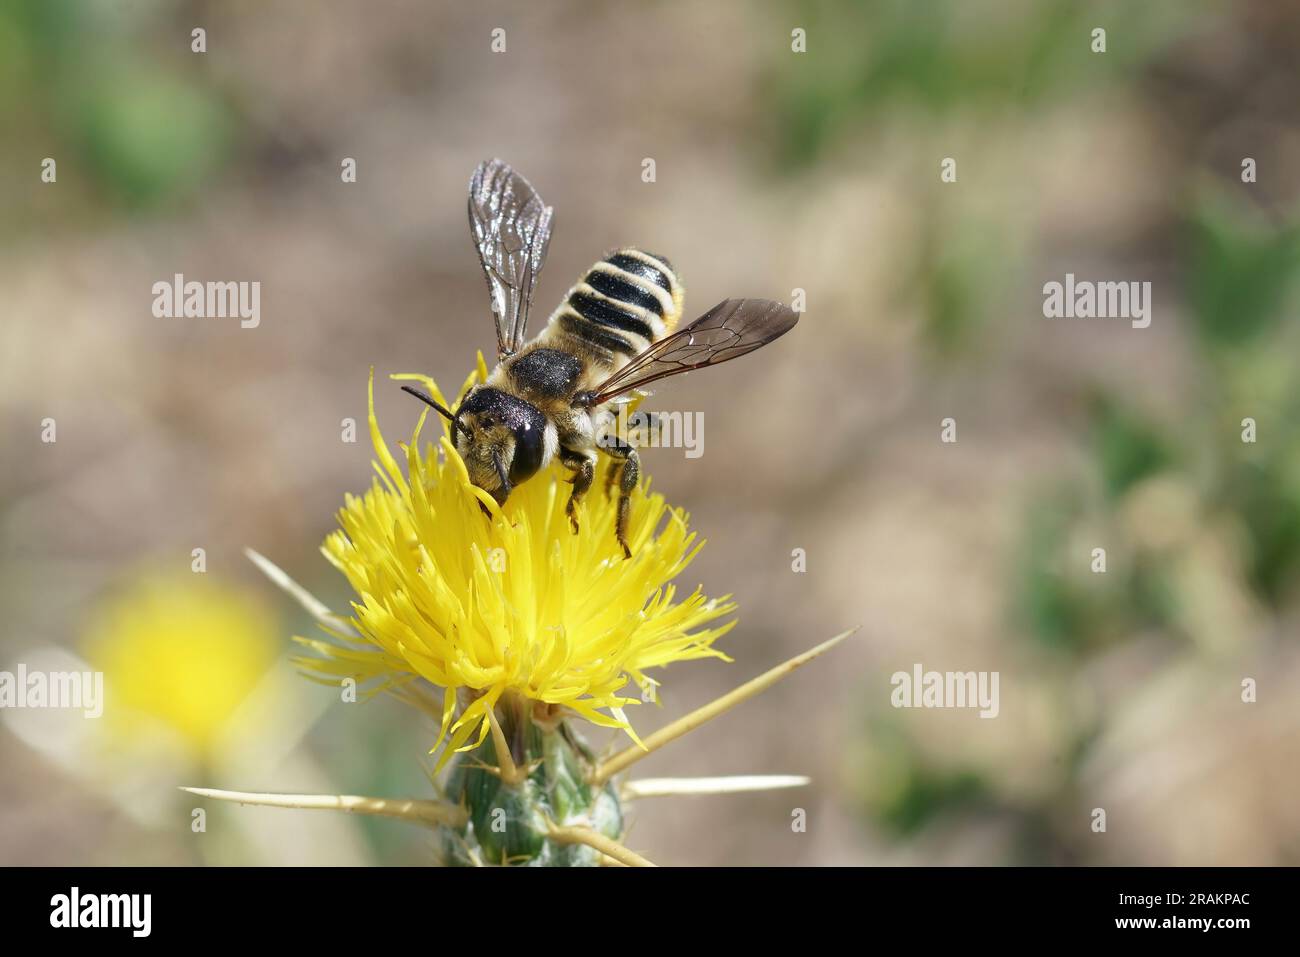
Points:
[(775, 170)]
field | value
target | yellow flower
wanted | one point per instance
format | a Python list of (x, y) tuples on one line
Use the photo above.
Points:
[(180, 650), (508, 603)]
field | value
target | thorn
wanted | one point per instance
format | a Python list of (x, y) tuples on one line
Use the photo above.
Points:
[(607, 846), (310, 603), (731, 784), (507, 770), (435, 813), (671, 732)]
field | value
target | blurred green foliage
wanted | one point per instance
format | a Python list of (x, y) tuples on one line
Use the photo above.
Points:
[(959, 274), (880, 64), (151, 138), (1239, 272), (1240, 286), (1175, 497), (144, 129), (1126, 447), (878, 56), (1055, 607), (919, 792), (1241, 496)]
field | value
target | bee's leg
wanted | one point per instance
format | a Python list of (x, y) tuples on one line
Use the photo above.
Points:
[(584, 470), (629, 472), (611, 475), (617, 448)]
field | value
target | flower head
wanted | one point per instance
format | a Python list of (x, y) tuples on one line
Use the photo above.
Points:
[(511, 602), (180, 651)]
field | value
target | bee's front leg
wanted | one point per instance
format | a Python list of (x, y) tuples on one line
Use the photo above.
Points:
[(627, 465), (584, 470)]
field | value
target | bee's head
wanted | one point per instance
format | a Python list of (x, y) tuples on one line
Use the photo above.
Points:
[(500, 437)]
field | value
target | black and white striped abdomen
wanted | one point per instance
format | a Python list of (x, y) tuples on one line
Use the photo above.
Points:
[(624, 303)]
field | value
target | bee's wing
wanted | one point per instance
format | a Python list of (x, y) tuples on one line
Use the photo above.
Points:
[(727, 331), (511, 228)]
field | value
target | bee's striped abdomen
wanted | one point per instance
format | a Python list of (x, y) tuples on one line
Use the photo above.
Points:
[(624, 303)]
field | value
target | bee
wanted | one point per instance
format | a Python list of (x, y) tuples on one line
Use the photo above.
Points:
[(614, 333)]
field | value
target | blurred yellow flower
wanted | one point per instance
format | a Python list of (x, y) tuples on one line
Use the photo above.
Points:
[(180, 650), (510, 603)]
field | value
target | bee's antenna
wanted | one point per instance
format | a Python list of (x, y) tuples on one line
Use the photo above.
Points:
[(441, 409)]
